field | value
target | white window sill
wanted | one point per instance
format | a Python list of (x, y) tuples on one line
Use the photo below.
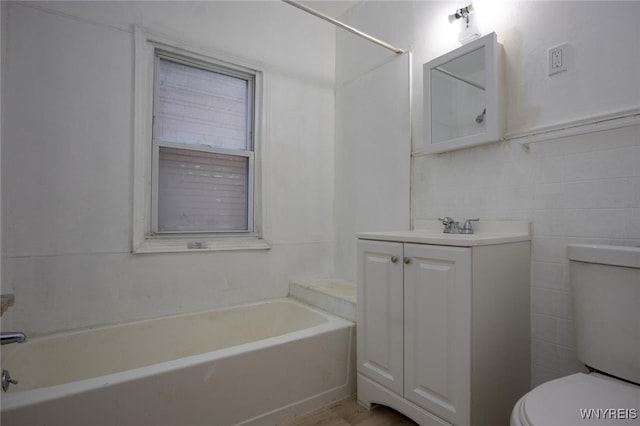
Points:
[(190, 245)]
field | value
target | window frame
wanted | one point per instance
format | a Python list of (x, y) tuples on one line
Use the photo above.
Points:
[(149, 48), (158, 143)]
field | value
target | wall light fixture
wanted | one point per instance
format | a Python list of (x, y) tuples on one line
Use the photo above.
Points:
[(468, 26)]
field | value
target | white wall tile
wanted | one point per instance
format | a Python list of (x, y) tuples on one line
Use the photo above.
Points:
[(549, 170), (581, 194), (597, 223), (545, 354), (566, 333), (622, 162), (546, 328), (548, 302), (548, 196), (579, 167), (551, 276), (541, 374), (616, 193), (549, 249)]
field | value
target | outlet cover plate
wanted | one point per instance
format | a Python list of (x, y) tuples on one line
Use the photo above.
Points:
[(558, 57)]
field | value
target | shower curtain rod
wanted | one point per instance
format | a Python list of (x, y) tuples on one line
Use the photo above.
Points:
[(345, 26)]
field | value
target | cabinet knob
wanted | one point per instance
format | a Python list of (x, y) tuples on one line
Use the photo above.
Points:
[(407, 260), (394, 259)]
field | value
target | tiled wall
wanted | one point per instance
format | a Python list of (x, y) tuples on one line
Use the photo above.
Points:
[(575, 189), (586, 190)]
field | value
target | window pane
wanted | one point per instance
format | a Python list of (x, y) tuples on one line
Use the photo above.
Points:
[(201, 191), (197, 106)]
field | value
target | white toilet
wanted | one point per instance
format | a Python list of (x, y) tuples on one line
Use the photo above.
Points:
[(605, 285)]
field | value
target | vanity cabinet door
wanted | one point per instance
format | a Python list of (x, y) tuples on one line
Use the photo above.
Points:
[(437, 307), (380, 313)]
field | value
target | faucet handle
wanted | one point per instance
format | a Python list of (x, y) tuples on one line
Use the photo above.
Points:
[(467, 228)]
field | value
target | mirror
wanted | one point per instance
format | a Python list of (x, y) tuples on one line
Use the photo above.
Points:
[(462, 97)]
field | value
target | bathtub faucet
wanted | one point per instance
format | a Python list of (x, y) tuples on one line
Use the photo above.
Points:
[(12, 337)]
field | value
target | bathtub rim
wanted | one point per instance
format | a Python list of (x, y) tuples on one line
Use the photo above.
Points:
[(21, 399), (286, 299)]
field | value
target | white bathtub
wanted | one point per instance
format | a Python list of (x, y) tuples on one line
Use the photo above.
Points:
[(253, 364)]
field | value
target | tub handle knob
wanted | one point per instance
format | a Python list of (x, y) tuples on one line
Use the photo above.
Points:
[(6, 380), (394, 259)]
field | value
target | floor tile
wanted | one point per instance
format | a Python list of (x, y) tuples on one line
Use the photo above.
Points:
[(348, 412)]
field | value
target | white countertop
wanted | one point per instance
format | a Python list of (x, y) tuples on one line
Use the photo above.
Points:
[(430, 232)]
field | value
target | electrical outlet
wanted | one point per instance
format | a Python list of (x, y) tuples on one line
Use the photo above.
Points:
[(557, 58)]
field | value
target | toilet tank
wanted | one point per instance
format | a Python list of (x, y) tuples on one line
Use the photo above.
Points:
[(605, 285)]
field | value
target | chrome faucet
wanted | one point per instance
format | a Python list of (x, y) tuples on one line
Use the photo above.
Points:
[(453, 227), (12, 337), (450, 225)]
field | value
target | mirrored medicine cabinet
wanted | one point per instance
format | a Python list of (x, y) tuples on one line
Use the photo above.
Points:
[(463, 100)]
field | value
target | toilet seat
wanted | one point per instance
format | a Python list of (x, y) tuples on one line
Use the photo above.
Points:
[(566, 400)]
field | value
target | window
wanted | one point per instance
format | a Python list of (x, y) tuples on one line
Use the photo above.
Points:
[(196, 153), (202, 146)]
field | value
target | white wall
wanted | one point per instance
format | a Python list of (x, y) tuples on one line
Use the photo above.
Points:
[(67, 161), (574, 189), (373, 134)]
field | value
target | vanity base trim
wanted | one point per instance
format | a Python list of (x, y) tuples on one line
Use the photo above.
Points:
[(370, 392)]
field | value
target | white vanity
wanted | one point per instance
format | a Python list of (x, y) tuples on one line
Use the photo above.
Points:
[(443, 322)]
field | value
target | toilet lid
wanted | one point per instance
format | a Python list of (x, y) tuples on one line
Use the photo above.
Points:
[(570, 400)]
